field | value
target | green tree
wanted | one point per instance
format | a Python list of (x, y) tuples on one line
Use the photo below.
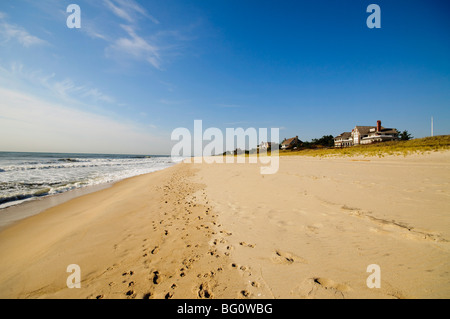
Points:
[(326, 141), (405, 136)]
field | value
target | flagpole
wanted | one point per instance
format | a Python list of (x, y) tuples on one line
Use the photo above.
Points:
[(432, 126)]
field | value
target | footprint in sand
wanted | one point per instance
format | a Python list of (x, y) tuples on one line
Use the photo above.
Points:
[(169, 295), (147, 295), (157, 278), (128, 273), (285, 258), (320, 287), (330, 284), (204, 292)]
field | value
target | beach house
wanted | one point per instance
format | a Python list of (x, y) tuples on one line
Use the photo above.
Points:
[(291, 143), (366, 135), (343, 140), (265, 146)]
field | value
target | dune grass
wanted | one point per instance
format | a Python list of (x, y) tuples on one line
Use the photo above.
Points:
[(414, 146)]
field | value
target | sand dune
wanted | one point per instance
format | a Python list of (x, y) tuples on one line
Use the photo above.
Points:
[(226, 231)]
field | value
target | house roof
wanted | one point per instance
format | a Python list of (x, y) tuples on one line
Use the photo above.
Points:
[(289, 141), (364, 130), (389, 130), (344, 135)]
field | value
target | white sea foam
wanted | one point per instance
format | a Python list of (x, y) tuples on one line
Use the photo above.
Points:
[(24, 176)]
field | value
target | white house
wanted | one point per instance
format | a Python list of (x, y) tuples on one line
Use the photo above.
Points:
[(343, 140), (366, 135), (265, 146)]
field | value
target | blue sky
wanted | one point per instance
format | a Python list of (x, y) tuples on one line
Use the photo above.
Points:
[(136, 70)]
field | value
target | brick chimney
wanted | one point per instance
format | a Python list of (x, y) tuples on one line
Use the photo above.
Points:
[(378, 126)]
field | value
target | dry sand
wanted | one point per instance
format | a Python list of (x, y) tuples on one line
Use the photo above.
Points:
[(226, 231)]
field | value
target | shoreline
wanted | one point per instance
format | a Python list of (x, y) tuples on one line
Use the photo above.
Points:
[(15, 213), (197, 231), (27, 208)]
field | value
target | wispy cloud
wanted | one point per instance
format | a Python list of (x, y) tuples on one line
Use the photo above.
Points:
[(128, 10), (96, 95), (65, 89), (135, 46), (92, 32), (154, 47), (118, 11), (10, 32), (68, 90)]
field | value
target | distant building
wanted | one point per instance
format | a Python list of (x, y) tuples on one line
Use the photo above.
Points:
[(343, 140), (291, 143), (265, 146), (366, 135)]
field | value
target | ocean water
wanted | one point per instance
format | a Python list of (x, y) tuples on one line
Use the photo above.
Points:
[(27, 176)]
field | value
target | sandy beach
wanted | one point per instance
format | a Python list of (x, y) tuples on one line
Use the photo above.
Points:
[(226, 231)]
